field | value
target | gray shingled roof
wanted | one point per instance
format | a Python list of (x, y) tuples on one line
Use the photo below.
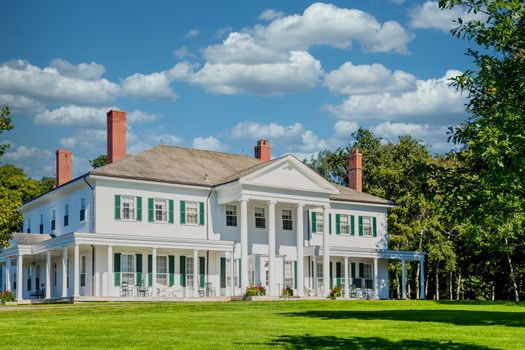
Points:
[(29, 238), (190, 166)]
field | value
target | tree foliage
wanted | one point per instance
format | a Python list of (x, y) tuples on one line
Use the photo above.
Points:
[(100, 161)]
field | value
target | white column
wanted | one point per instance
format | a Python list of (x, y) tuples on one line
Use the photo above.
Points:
[(96, 280), (403, 280), (76, 271), (8, 284), (19, 279), (244, 245), (110, 271), (64, 272), (271, 249), (48, 274), (326, 253), (195, 273), (154, 272), (376, 282), (422, 279), (347, 289), (232, 270), (300, 252), (314, 282)]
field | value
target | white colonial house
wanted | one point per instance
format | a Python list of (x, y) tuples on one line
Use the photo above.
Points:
[(181, 222)]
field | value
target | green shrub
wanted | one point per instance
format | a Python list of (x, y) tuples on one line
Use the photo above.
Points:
[(7, 296), (255, 291)]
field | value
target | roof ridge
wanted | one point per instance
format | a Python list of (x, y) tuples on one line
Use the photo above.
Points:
[(204, 150)]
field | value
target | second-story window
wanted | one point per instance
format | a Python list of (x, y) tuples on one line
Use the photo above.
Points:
[(367, 226), (231, 215), (128, 208), (28, 226), (287, 219), (82, 209), (192, 214), (66, 214), (161, 210), (345, 227), (260, 219), (53, 219), (41, 223), (317, 222)]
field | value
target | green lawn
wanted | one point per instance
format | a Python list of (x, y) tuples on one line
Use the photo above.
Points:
[(290, 325)]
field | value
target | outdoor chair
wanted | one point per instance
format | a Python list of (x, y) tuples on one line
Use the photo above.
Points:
[(124, 289), (210, 291)]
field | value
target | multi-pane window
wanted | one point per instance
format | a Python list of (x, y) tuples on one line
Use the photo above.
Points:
[(127, 208), (66, 214), (260, 220), (288, 274), (287, 219), (53, 219), (82, 209), (367, 226), (367, 276), (192, 213), (161, 210), (37, 277), (231, 215), (29, 277), (189, 272), (319, 221), (343, 224), (127, 266), (41, 223), (28, 228), (83, 271), (162, 270)]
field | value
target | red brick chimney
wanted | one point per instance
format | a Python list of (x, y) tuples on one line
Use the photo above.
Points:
[(64, 163), (263, 151), (116, 135), (355, 170)]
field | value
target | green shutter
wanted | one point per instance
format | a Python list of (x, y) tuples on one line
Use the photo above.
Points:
[(374, 226), (116, 268), (361, 270), (171, 270), (150, 270), (314, 222), (331, 276), (295, 274), (139, 208), (360, 225), (150, 210), (223, 272), (117, 207), (138, 265), (202, 270), (182, 271), (171, 205), (330, 223), (337, 224), (201, 213), (338, 274), (352, 225), (182, 212), (352, 271)]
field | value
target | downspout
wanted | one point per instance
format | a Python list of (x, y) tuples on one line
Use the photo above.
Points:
[(92, 269), (92, 214)]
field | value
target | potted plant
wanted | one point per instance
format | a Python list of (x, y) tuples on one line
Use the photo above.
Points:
[(335, 292), (287, 292), (254, 291), (7, 297)]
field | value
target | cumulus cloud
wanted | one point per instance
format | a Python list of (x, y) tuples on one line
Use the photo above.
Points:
[(431, 98), (152, 86), (21, 104), (434, 135), (209, 143), (35, 161), (365, 79), (344, 128), (138, 142), (429, 15), (85, 71), (270, 14), (192, 33), (183, 52)]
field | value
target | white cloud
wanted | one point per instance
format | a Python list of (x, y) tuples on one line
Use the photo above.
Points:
[(270, 14), (152, 86), (344, 128), (365, 79), (209, 143), (182, 52), (429, 15), (432, 98), (87, 117), (22, 152), (192, 33), (84, 71), (36, 162), (21, 104)]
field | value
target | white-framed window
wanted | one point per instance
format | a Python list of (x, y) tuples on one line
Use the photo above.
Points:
[(127, 268), (260, 219), (231, 215), (127, 208), (192, 213), (53, 219), (83, 271), (288, 274), (319, 222), (28, 225), (287, 219), (160, 207), (82, 209), (41, 228), (162, 270), (367, 271), (66, 214), (344, 224), (189, 271), (367, 226)]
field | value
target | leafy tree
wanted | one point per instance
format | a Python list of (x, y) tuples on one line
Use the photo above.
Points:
[(5, 125), (100, 161)]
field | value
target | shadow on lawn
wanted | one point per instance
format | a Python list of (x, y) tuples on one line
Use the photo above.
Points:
[(456, 317), (331, 342)]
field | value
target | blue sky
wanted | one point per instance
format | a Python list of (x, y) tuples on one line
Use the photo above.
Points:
[(219, 75)]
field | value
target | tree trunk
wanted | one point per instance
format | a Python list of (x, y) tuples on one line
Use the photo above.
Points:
[(427, 275), (437, 283), (458, 290), (493, 290), (512, 276), (408, 284), (418, 279)]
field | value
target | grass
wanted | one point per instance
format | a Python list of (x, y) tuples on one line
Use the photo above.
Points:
[(258, 325)]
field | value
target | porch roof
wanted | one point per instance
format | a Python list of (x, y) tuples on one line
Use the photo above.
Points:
[(366, 253)]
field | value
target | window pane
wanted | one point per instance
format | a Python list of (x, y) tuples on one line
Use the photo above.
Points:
[(231, 215), (192, 216), (260, 221)]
